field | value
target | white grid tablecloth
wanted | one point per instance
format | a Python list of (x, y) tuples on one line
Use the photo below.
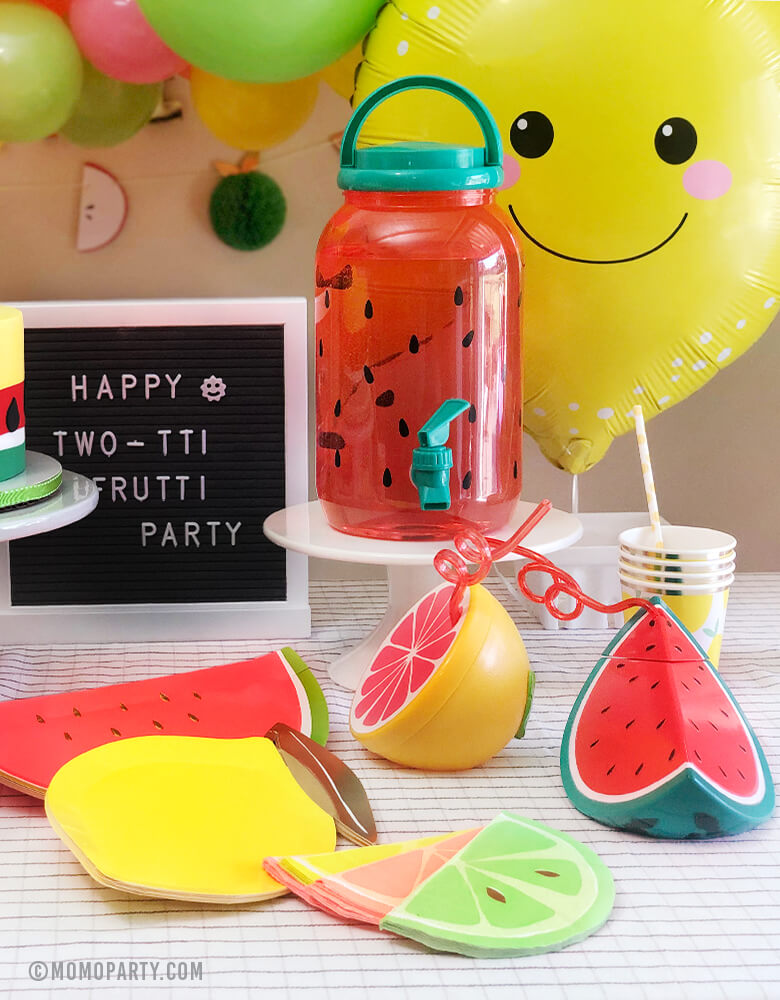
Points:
[(691, 920)]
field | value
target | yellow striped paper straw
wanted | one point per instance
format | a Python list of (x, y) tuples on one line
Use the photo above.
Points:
[(647, 475)]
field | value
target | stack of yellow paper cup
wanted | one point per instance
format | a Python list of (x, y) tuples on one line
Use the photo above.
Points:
[(692, 571)]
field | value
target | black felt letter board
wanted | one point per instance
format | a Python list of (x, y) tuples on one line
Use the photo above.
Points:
[(183, 430)]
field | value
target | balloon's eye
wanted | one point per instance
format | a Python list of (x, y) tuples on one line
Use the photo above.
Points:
[(531, 134), (675, 140)]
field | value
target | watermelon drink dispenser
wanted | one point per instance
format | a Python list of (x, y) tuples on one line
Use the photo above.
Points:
[(418, 301)]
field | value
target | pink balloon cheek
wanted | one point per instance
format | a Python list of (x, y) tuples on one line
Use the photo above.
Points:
[(707, 179), (511, 172)]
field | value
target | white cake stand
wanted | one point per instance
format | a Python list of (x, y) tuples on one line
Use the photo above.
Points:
[(76, 498), (410, 571)]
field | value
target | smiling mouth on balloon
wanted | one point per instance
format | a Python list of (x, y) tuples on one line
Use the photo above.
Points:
[(587, 260)]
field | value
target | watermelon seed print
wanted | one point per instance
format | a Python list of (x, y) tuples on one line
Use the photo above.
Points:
[(320, 346), (387, 479), (164, 697), (12, 418), (67, 736), (196, 695), (193, 717), (514, 471), (468, 338), (403, 428), (368, 374), (330, 439), (369, 309), (387, 398), (115, 731), (123, 707), (495, 894), (414, 344), (467, 480), (472, 414), (76, 712), (337, 459), (458, 296), (40, 718), (337, 408), (156, 724)]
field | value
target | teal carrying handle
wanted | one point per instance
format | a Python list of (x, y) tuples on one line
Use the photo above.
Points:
[(493, 151)]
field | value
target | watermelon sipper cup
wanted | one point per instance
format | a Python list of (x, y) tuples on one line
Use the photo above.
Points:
[(657, 744), (233, 700)]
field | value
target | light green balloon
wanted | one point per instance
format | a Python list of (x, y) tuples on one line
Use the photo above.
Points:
[(109, 111), (261, 41), (40, 72)]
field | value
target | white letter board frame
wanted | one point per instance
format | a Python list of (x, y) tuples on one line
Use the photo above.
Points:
[(290, 618)]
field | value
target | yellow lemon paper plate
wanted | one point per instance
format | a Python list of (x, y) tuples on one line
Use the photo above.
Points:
[(181, 817)]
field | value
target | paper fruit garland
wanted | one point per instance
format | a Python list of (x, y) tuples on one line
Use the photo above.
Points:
[(650, 224), (515, 887), (39, 735), (182, 817), (247, 208), (657, 744), (102, 208)]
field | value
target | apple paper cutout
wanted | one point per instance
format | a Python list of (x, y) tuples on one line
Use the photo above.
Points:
[(102, 209)]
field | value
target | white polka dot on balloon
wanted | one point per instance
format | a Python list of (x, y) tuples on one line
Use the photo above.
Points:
[(404, 17), (605, 413), (698, 365), (574, 406), (403, 48), (742, 324), (705, 338), (663, 400), (675, 378), (677, 363), (770, 302), (724, 354), (638, 390), (540, 412), (574, 430), (433, 13)]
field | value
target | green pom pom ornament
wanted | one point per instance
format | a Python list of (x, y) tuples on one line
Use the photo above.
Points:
[(247, 210)]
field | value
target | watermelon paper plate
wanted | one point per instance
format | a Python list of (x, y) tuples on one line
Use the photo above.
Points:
[(514, 887), (656, 742), (233, 700)]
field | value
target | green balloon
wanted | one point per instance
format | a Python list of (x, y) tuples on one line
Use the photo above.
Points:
[(40, 72), (261, 41), (109, 111)]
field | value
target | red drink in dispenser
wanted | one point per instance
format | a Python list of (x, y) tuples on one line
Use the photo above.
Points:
[(417, 302)]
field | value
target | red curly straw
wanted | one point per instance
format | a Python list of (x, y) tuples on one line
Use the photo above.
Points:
[(474, 548)]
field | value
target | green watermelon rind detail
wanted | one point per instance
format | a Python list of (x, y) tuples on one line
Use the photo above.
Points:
[(320, 723), (674, 806), (501, 946)]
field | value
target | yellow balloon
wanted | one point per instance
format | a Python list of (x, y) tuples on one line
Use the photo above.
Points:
[(252, 115), (643, 178), (340, 76)]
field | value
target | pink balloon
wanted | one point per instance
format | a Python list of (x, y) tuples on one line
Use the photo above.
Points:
[(118, 40)]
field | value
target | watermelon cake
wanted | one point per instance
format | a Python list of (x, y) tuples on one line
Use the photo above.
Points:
[(12, 450), (657, 744)]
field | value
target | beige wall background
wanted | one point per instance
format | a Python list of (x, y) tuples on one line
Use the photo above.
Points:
[(716, 455)]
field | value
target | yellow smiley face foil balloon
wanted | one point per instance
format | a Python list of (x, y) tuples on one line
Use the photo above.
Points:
[(642, 165)]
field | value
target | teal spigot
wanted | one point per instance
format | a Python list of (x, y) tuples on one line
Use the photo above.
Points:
[(432, 461)]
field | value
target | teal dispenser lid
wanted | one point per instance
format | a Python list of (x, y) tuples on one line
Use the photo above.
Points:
[(432, 461), (421, 166)]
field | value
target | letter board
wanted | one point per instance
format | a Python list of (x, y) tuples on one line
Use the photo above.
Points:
[(190, 416)]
